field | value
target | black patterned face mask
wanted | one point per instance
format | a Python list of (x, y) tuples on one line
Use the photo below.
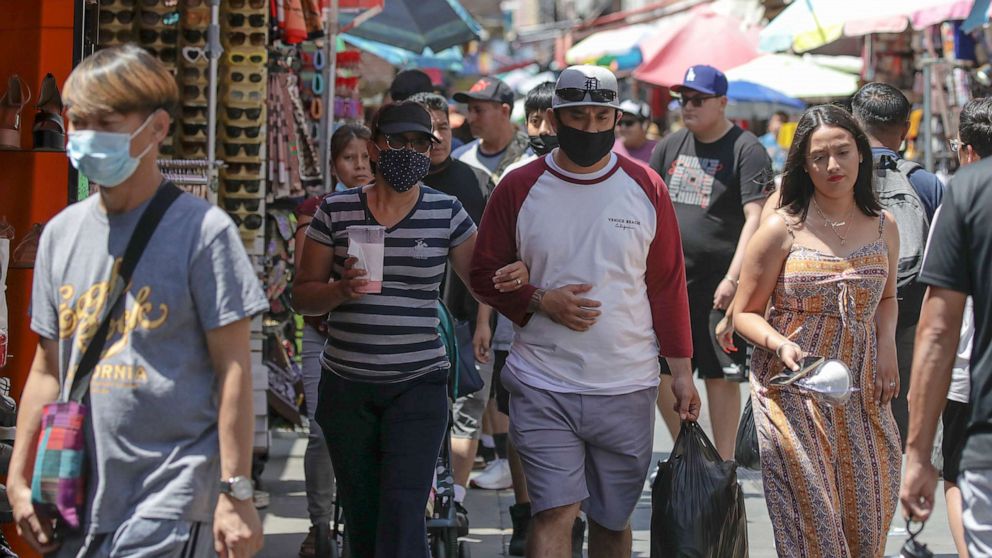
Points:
[(403, 168)]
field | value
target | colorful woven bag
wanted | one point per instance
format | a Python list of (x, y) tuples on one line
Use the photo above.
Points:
[(58, 486)]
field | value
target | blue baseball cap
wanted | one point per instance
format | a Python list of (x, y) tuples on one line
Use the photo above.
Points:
[(705, 79)]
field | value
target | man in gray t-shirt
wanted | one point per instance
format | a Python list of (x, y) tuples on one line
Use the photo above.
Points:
[(169, 406)]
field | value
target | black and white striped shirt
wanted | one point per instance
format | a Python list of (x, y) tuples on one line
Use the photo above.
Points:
[(392, 335)]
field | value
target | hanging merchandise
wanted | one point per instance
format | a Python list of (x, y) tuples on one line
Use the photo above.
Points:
[(347, 100), (194, 80), (293, 153), (6, 234)]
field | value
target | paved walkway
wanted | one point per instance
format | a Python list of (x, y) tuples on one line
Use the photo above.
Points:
[(286, 521)]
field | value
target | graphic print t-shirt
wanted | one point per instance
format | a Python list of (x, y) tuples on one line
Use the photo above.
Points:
[(709, 183), (152, 432)]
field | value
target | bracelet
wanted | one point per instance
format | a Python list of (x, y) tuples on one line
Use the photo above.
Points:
[(733, 281), (778, 351), (535, 301)]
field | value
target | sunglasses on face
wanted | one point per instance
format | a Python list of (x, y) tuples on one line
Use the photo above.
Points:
[(238, 20), (149, 36), (249, 204), (420, 144), (124, 17), (235, 113), (250, 149), (250, 222), (238, 4), (696, 100), (574, 95), (248, 186), (237, 132), (955, 144), (627, 122), (238, 38)]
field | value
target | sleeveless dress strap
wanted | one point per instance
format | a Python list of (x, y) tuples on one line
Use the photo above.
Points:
[(881, 224), (789, 225)]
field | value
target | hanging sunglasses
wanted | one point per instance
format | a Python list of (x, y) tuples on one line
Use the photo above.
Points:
[(194, 112), (249, 204), (193, 73), (194, 148), (251, 221), (249, 186), (150, 36), (237, 132), (124, 3), (167, 149), (125, 17), (154, 18), (574, 95), (194, 54), (194, 35), (235, 113), (165, 3), (238, 38), (238, 20), (167, 54), (242, 57), (238, 77), (238, 4), (194, 3), (118, 36), (242, 170), (191, 130), (238, 95), (250, 149), (196, 19), (194, 92)]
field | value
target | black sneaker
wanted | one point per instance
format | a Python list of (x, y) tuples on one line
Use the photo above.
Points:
[(487, 453), (461, 516)]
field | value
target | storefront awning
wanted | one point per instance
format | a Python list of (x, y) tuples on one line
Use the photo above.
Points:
[(796, 76), (415, 25)]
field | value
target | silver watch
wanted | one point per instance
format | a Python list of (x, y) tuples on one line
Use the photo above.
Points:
[(239, 488)]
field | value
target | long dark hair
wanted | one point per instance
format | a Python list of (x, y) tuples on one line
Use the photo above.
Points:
[(797, 186)]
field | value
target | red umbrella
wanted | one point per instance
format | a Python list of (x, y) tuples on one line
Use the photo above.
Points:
[(704, 37)]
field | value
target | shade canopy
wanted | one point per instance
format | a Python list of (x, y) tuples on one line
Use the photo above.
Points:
[(614, 47), (795, 76), (448, 59), (415, 25), (750, 92)]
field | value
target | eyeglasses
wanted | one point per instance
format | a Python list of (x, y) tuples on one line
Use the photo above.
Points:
[(194, 35), (574, 95), (194, 111), (238, 20), (149, 36), (250, 149), (238, 4), (238, 95), (420, 144), (237, 57), (192, 129), (249, 204), (235, 113), (237, 132), (124, 3), (253, 77), (955, 144), (628, 122), (697, 100), (238, 38), (125, 17), (249, 186), (251, 221)]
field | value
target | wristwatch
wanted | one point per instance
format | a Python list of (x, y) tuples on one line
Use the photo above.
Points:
[(239, 488)]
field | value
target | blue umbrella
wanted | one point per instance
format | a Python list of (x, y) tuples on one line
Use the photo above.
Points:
[(750, 92), (415, 25), (450, 60)]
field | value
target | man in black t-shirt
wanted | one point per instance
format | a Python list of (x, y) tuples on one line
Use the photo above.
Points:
[(718, 176), (958, 263)]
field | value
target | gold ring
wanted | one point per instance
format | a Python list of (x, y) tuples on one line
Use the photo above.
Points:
[(518, 282)]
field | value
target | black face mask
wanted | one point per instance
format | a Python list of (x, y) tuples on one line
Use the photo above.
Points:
[(543, 144), (585, 148)]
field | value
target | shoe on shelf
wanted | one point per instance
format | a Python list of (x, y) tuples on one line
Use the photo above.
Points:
[(13, 101), (6, 511), (496, 476), (578, 537), (461, 516), (5, 452), (520, 517), (49, 128)]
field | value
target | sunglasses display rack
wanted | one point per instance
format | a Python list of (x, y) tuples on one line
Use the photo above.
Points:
[(193, 75), (241, 139), (191, 175)]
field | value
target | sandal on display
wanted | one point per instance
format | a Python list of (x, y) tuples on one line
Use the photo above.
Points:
[(49, 128), (17, 96)]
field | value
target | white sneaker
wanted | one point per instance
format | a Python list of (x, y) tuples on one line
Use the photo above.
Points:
[(495, 477)]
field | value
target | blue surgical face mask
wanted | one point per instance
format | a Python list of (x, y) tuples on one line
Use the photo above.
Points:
[(105, 157)]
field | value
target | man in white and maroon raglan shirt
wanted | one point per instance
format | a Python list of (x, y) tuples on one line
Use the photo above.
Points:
[(599, 236)]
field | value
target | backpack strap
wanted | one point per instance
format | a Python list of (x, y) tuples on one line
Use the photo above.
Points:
[(881, 224)]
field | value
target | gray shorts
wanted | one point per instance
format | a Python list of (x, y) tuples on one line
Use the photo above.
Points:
[(138, 537), (976, 500), (593, 449), (467, 411)]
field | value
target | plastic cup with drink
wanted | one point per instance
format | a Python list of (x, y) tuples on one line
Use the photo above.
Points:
[(367, 244)]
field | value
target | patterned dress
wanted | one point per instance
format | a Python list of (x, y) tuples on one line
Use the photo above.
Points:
[(831, 475)]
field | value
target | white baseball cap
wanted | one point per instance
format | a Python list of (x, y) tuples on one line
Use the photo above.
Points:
[(638, 109), (586, 85)]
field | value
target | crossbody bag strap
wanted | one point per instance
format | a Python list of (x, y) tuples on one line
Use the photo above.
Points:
[(79, 384)]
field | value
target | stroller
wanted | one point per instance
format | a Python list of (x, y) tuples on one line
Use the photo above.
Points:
[(441, 517)]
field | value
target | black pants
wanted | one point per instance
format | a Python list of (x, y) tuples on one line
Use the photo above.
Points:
[(384, 441)]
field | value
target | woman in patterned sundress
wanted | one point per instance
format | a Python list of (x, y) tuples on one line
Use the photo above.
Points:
[(826, 260)]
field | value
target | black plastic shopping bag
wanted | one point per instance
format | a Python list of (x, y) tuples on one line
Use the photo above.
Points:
[(697, 505), (746, 451)]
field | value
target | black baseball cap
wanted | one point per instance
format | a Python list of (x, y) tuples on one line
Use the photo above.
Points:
[(406, 116), (408, 83), (487, 89)]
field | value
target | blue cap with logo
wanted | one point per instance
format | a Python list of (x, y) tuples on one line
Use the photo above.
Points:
[(705, 79)]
